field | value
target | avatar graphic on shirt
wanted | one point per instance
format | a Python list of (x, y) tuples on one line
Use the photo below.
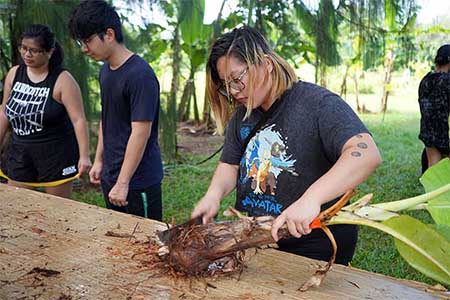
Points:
[(264, 159)]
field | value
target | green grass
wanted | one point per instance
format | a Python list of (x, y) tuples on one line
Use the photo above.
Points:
[(395, 179)]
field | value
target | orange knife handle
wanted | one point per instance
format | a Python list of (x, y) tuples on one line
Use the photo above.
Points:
[(315, 224)]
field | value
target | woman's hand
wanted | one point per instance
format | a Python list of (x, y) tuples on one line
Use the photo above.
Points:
[(222, 183), (84, 164), (206, 208), (298, 217)]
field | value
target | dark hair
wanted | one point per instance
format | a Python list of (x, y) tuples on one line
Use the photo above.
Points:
[(443, 55), (239, 43), (251, 48), (43, 35), (94, 16)]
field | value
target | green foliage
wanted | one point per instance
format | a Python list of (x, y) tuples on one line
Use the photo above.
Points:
[(167, 129), (432, 179), (92, 197), (321, 26), (396, 178), (191, 15), (431, 254), (443, 229)]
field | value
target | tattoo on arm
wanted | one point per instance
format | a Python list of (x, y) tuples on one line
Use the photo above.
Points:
[(356, 154), (362, 145)]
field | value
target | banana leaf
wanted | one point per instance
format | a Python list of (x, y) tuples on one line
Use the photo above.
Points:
[(443, 229), (434, 178), (430, 253)]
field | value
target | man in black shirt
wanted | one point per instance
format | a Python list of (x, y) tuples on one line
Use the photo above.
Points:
[(128, 161)]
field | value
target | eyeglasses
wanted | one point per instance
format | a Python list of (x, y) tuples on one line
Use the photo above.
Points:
[(235, 84), (85, 42), (33, 51)]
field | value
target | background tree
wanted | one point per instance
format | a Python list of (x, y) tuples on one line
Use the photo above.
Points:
[(321, 26), (196, 39)]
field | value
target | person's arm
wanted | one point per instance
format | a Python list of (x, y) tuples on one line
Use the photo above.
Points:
[(96, 171), (140, 132), (359, 158), (222, 183), (68, 92), (4, 123)]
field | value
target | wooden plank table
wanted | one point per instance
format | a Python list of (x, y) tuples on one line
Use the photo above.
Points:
[(54, 248)]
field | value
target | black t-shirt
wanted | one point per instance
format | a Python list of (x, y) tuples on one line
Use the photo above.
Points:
[(434, 102), (130, 93), (300, 142)]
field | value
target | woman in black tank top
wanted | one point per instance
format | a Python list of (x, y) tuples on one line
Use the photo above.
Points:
[(42, 105)]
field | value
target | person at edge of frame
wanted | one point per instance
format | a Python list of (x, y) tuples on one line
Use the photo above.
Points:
[(434, 102)]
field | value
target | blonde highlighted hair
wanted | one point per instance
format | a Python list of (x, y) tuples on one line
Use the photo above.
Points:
[(249, 47)]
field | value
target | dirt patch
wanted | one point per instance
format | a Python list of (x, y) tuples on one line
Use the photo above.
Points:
[(201, 145), (200, 140)]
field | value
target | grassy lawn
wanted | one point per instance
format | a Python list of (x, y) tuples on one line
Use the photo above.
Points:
[(395, 179)]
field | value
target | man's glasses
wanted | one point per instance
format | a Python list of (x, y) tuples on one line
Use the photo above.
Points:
[(235, 84), (85, 42), (33, 51)]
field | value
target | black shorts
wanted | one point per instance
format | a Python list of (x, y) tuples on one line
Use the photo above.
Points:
[(42, 162), (146, 202)]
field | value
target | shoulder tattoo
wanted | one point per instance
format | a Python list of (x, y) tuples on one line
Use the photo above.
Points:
[(362, 145), (356, 154)]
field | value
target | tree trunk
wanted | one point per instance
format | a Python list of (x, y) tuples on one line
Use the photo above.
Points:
[(316, 73), (343, 91), (358, 106), (169, 120), (184, 101), (196, 112), (390, 57), (323, 74)]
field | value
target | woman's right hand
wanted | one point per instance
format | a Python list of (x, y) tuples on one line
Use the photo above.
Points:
[(206, 208), (84, 164)]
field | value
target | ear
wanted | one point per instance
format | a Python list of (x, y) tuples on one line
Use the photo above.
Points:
[(50, 52), (110, 35), (269, 63)]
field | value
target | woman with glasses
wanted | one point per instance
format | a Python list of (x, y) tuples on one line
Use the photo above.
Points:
[(43, 107), (291, 147)]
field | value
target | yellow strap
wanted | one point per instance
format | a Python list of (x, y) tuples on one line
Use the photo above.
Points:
[(43, 184)]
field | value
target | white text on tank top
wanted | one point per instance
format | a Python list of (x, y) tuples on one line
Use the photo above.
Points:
[(25, 108)]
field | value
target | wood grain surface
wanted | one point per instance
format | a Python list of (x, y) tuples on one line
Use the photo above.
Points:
[(54, 248)]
